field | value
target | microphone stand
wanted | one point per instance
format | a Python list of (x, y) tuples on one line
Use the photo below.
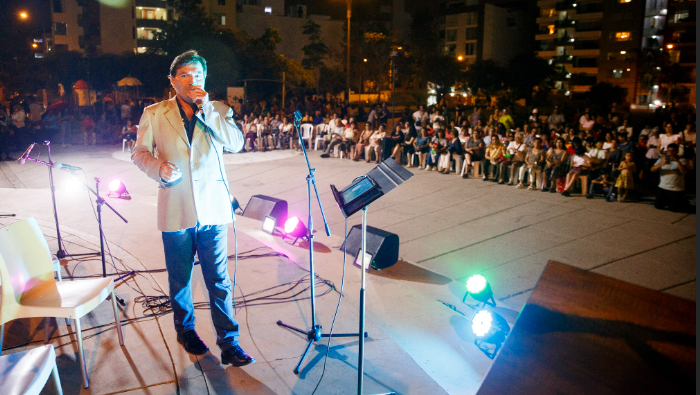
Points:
[(314, 334), (60, 254), (100, 202)]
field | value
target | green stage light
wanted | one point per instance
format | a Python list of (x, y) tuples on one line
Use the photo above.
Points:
[(480, 290)]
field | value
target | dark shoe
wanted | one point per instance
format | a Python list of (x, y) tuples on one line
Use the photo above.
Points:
[(484, 179), (501, 182), (589, 196), (325, 156), (545, 189), (192, 343), (566, 193), (553, 190), (236, 356), (465, 175)]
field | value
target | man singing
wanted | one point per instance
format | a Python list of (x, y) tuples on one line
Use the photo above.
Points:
[(180, 144)]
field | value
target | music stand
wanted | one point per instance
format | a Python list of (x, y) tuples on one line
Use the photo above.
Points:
[(377, 183)]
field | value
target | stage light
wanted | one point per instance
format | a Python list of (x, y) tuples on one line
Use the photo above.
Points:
[(294, 228), (268, 225), (490, 330), (73, 185), (117, 189), (480, 290)]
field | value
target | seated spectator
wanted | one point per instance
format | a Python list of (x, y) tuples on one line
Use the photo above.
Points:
[(454, 151), (579, 163), (688, 137), (534, 159), (336, 137), (625, 181), (422, 147), (671, 191), (286, 133), (597, 157), (492, 156), (438, 147), (555, 167), (128, 133), (396, 138), (318, 119), (350, 137), (473, 151), (408, 146), (362, 142), (586, 121), (375, 144), (626, 129), (251, 137), (515, 151)]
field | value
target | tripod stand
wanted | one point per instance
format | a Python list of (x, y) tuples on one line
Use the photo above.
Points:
[(314, 334)]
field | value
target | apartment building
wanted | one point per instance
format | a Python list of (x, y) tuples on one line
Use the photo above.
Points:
[(486, 29), (680, 38)]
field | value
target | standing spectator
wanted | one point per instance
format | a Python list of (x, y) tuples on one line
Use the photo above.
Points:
[(19, 118), (384, 114), (418, 118), (50, 125), (670, 137), (688, 137), (625, 181), (506, 120), (625, 144), (556, 119), (586, 122), (476, 117), (373, 116), (5, 137), (88, 128), (626, 128), (125, 112), (671, 192)]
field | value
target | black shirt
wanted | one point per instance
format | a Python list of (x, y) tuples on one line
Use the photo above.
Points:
[(189, 124)]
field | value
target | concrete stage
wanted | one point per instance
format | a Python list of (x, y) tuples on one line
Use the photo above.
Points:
[(449, 229)]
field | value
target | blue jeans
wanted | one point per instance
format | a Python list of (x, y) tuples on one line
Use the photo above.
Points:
[(210, 244)]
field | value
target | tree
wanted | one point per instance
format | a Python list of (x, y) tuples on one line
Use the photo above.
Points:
[(485, 75), (602, 95), (527, 71), (315, 52), (444, 72)]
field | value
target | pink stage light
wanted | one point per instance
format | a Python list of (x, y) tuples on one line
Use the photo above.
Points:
[(294, 228), (114, 185), (291, 224)]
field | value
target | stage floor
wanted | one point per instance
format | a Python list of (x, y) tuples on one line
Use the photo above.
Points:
[(449, 229)]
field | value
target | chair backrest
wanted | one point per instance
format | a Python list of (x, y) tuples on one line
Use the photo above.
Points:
[(25, 260), (306, 130)]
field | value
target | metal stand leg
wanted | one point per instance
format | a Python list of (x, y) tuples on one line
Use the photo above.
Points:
[(117, 321), (363, 302), (79, 335)]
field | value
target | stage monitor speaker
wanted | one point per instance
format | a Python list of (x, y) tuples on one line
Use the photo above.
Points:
[(382, 246), (261, 206)]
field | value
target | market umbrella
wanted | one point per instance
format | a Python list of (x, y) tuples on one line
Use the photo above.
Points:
[(129, 81), (58, 106)]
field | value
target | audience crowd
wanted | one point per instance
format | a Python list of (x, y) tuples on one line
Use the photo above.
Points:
[(598, 155)]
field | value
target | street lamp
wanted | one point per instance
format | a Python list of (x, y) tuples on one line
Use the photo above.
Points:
[(23, 15)]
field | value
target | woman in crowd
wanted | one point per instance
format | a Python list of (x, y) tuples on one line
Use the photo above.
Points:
[(438, 147), (408, 146), (473, 152), (579, 163), (533, 165), (251, 137), (375, 145), (349, 139), (362, 142), (454, 151), (397, 138), (286, 132), (670, 137), (492, 156), (555, 166), (422, 147)]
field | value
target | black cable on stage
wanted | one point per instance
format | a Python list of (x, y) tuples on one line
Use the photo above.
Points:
[(340, 297)]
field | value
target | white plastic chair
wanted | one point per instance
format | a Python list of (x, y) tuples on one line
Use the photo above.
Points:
[(307, 132), (30, 290), (26, 372), (320, 128)]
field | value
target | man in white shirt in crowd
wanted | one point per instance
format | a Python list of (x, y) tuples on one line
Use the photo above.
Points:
[(671, 191), (555, 119), (336, 136), (626, 128), (418, 117)]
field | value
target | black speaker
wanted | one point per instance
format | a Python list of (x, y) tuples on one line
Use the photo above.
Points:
[(383, 246), (261, 206)]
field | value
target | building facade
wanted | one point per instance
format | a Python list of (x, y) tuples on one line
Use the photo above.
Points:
[(680, 39), (486, 29)]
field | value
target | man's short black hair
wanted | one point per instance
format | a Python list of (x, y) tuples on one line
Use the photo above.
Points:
[(672, 145), (185, 59)]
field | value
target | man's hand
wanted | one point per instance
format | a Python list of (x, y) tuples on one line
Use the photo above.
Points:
[(169, 172), (199, 95)]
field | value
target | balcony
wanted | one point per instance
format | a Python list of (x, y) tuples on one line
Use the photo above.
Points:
[(544, 37), (590, 35), (152, 3), (152, 23), (564, 41), (586, 44), (565, 5), (547, 19), (653, 32), (563, 59), (585, 70), (592, 16), (564, 23), (546, 54), (145, 43), (586, 52)]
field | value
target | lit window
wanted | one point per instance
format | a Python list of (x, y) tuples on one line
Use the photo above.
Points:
[(552, 29), (625, 1), (268, 10), (623, 36), (674, 56)]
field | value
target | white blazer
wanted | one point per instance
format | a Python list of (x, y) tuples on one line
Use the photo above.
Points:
[(201, 195)]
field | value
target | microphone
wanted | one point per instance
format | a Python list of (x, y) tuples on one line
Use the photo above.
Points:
[(25, 155), (59, 165), (297, 115), (198, 103)]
